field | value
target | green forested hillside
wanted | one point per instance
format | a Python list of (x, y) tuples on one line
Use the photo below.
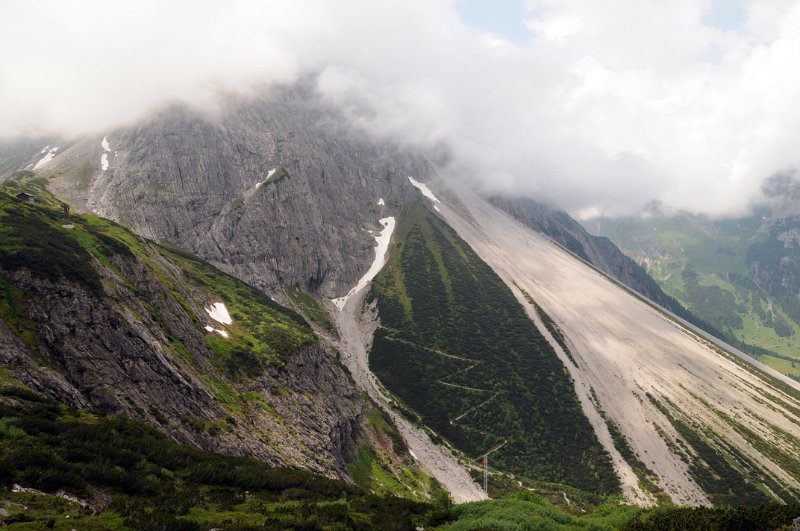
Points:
[(456, 347)]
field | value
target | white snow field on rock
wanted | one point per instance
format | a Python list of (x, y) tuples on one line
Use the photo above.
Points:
[(424, 189), (382, 239), (219, 313)]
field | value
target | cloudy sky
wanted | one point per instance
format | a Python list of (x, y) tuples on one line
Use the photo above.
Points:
[(597, 106)]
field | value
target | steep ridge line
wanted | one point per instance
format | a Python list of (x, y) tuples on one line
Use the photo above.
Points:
[(626, 349), (436, 291)]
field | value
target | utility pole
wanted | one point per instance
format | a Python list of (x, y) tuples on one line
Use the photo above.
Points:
[(486, 474)]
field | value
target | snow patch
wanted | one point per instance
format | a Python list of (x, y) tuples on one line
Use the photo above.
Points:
[(51, 152), (270, 173), (223, 333), (219, 313), (104, 156), (44, 149), (424, 189), (382, 246), (47, 158), (413, 454), (381, 202), (436, 208)]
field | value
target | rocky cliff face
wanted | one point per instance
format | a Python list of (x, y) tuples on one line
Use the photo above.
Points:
[(276, 190), (597, 250), (101, 319)]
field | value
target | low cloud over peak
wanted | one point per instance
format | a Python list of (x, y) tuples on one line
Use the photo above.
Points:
[(602, 107)]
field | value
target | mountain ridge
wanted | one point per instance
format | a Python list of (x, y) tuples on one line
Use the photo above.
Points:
[(312, 229), (119, 324)]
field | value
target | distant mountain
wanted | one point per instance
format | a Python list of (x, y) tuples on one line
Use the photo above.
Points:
[(741, 275)]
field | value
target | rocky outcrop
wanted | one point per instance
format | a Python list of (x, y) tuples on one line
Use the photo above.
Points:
[(206, 184), (115, 352)]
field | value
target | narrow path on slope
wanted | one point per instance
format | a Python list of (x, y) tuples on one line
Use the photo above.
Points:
[(456, 420)]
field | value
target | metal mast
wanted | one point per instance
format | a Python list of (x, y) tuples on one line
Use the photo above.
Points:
[(486, 474)]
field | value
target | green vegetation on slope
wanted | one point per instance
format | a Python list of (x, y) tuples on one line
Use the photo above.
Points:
[(725, 474), (456, 346), (384, 472), (154, 483), (310, 308), (29, 238), (524, 510), (263, 333)]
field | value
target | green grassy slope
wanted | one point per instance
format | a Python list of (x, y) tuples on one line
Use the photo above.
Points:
[(715, 269), (457, 347)]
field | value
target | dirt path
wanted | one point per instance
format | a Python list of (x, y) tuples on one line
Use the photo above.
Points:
[(626, 349), (356, 331)]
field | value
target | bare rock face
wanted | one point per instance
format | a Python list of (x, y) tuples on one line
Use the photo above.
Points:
[(112, 352), (275, 190)]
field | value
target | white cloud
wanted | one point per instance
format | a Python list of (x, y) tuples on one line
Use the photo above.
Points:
[(609, 106)]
